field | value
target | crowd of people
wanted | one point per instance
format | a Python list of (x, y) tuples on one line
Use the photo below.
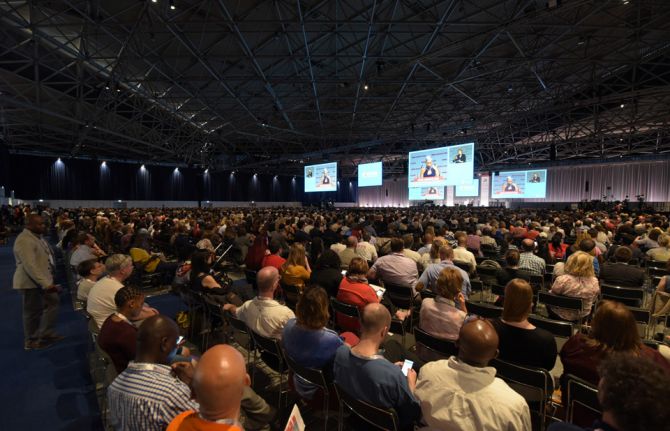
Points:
[(352, 255)]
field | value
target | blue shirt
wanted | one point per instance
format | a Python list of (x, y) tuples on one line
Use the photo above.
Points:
[(432, 272), (376, 381), (311, 349)]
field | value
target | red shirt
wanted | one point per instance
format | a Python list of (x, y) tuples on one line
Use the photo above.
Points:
[(273, 260), (354, 293), (119, 341)]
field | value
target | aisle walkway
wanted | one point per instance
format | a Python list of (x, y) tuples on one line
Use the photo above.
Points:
[(49, 389)]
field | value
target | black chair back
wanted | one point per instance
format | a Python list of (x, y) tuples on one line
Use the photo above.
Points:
[(630, 296), (535, 384), (441, 346), (497, 289), (312, 375), (379, 418), (582, 398), (345, 309), (250, 275), (272, 347), (291, 295), (560, 301), (476, 285), (483, 310), (557, 327), (241, 327), (425, 293), (536, 281), (400, 296), (463, 265)]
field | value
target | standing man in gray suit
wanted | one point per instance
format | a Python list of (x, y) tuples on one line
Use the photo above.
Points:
[(34, 278)]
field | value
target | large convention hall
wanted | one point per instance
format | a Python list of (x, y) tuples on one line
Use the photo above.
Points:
[(288, 215)]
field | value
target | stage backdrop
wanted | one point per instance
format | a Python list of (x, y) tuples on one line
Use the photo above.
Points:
[(33, 178), (564, 184)]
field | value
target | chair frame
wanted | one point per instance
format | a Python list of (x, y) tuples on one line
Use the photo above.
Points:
[(559, 328), (366, 411), (587, 396), (560, 301), (482, 309), (345, 309), (440, 346), (240, 326), (631, 296), (314, 376), (530, 377), (272, 347)]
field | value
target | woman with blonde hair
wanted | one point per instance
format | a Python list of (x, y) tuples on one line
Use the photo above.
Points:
[(578, 281), (296, 271), (662, 252), (520, 342)]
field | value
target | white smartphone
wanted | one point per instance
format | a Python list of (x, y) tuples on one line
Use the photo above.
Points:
[(406, 366)]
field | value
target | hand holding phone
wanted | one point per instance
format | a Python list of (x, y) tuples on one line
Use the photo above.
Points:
[(406, 366)]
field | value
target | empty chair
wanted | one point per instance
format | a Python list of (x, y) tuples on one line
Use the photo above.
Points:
[(400, 296)]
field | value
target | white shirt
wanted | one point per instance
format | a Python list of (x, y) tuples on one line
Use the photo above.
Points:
[(83, 288), (462, 254), (82, 253), (338, 247), (265, 316), (100, 303), (367, 251), (457, 396)]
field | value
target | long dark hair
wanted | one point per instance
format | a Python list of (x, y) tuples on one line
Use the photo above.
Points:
[(199, 263)]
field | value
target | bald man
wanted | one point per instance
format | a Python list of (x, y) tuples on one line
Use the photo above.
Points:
[(528, 261), (458, 393), (363, 373), (34, 278), (221, 387), (263, 314), (146, 395)]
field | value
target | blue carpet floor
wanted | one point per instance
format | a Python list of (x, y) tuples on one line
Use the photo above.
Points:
[(49, 389)]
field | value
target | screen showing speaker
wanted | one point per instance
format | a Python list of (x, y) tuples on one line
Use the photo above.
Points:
[(519, 184), (321, 178), (370, 174), (467, 190), (426, 193), (437, 167)]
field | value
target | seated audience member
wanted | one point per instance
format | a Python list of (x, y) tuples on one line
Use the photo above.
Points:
[(256, 252), (579, 281), (430, 275), (100, 303), (433, 254), (296, 271), (365, 248), (408, 243), (557, 247), (118, 335), (462, 254), (504, 275), (222, 370), (621, 273), (625, 378), (364, 374), (316, 249), (149, 262), (588, 246), (626, 240), (662, 252), (520, 342), (263, 314), (274, 259), (201, 279), (350, 252), (463, 393), (613, 330), (395, 268), (528, 262), (89, 271), (474, 241), (307, 340), (86, 249), (443, 316), (650, 241), (327, 272), (355, 290), (147, 396), (428, 239)]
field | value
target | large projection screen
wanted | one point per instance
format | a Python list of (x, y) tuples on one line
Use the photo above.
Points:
[(519, 184), (438, 167), (321, 178), (426, 193), (468, 189), (370, 174)]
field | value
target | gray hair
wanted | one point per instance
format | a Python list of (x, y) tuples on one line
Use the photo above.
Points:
[(116, 262)]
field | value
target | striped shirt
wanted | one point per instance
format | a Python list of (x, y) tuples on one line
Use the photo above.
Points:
[(147, 397)]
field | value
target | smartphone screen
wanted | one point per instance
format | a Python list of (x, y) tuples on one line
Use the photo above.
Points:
[(180, 339), (406, 366)]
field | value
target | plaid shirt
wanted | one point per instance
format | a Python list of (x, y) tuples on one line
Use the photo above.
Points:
[(531, 263)]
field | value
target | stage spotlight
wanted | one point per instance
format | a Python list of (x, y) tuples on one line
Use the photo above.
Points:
[(154, 1), (207, 171), (366, 87), (622, 105), (172, 5), (59, 160)]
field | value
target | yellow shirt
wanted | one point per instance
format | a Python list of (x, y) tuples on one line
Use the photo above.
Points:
[(141, 256), (295, 275)]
